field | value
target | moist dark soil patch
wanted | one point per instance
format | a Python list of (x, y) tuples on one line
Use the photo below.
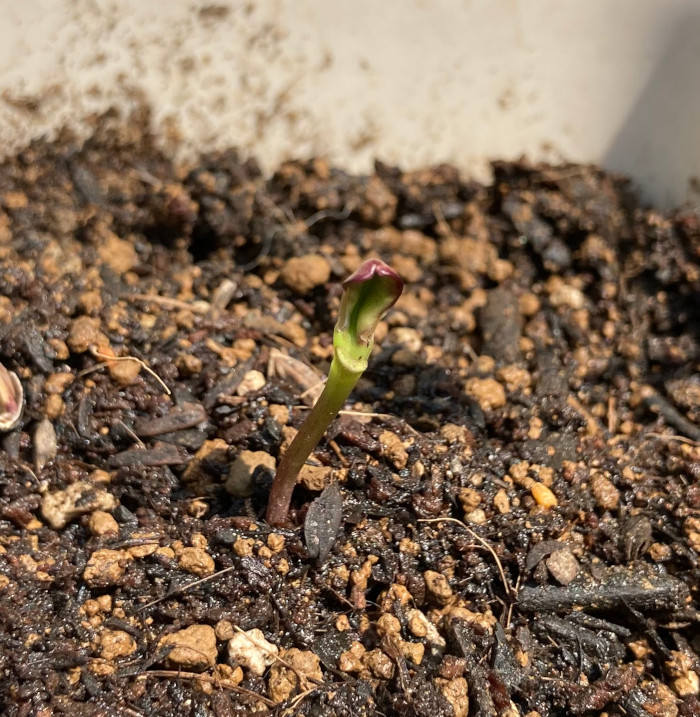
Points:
[(519, 468)]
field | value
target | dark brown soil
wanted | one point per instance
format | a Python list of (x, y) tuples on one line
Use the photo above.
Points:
[(520, 466)]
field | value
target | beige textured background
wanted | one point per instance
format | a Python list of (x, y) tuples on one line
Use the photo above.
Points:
[(409, 81)]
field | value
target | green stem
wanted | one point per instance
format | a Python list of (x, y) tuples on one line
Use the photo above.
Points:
[(340, 383)]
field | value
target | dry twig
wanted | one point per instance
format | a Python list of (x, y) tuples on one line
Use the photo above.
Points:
[(680, 439), (106, 360), (219, 682), (509, 590), (184, 588), (196, 307)]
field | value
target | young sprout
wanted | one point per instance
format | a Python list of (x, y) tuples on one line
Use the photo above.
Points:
[(11, 399), (368, 294)]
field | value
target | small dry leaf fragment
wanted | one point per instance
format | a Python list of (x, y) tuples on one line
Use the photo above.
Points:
[(11, 399), (322, 523), (307, 378), (45, 445), (223, 294)]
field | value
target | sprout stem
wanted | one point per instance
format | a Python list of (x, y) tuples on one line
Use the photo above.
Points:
[(368, 294), (336, 391)]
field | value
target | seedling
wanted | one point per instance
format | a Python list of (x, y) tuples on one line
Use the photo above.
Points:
[(11, 399), (368, 294)]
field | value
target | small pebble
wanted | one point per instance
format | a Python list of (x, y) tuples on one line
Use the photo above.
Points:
[(102, 523), (456, 691), (393, 449), (195, 647), (379, 664), (304, 273), (314, 478), (61, 506), (252, 381), (284, 681), (438, 587), (469, 498), (477, 516), (275, 542), (85, 333), (501, 501), (487, 392), (563, 566), (240, 479), (252, 650), (105, 567), (119, 254), (224, 630), (543, 496), (196, 561), (412, 651), (606, 495), (115, 644), (124, 373)]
